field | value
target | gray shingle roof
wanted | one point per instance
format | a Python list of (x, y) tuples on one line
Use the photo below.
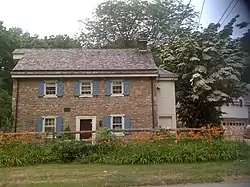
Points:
[(84, 60), (166, 74)]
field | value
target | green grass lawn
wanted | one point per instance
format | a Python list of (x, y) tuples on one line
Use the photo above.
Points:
[(75, 175)]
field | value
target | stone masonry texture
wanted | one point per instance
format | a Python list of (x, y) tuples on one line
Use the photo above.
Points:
[(138, 105)]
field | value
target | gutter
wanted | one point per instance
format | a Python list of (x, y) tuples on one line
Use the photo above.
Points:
[(16, 109)]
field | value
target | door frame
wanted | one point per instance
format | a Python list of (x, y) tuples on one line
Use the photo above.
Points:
[(78, 118)]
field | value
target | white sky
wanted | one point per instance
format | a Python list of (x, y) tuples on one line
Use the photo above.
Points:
[(47, 17)]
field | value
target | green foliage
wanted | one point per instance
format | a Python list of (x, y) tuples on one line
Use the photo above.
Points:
[(209, 65), (71, 150), (117, 23), (19, 154), (103, 134), (5, 111), (67, 136), (183, 152), (246, 47), (11, 39)]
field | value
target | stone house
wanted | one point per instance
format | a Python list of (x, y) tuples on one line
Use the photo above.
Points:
[(88, 88)]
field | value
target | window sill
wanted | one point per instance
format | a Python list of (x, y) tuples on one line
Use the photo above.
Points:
[(115, 95), (86, 96), (118, 133), (50, 96)]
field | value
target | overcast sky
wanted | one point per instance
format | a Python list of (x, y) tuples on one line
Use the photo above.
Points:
[(47, 17)]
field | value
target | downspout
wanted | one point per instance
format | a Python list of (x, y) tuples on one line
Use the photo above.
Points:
[(152, 100), (16, 109)]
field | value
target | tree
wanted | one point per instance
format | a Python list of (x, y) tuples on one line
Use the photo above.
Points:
[(246, 47), (11, 39), (117, 23), (209, 65)]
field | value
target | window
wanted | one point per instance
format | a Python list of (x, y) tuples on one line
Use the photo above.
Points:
[(117, 123), (117, 88), (50, 88), (49, 126), (241, 102), (86, 88)]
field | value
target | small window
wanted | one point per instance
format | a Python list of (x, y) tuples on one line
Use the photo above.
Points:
[(117, 123), (50, 88), (241, 102), (117, 88), (86, 88), (49, 126)]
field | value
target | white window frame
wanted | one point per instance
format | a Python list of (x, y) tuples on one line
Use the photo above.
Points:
[(117, 94), (50, 95), (111, 124), (91, 85), (49, 117)]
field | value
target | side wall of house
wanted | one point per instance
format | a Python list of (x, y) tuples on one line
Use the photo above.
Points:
[(138, 105), (166, 103)]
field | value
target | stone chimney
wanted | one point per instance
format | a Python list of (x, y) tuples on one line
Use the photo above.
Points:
[(142, 43)]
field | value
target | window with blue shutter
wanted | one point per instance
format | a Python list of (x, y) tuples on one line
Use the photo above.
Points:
[(95, 88), (77, 88), (39, 125), (127, 124), (59, 125), (107, 121), (107, 88), (40, 88), (60, 88), (126, 87)]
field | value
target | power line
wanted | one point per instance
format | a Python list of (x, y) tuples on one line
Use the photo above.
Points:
[(225, 11), (230, 12), (201, 12)]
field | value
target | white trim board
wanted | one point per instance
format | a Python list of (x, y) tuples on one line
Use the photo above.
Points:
[(78, 118), (92, 75)]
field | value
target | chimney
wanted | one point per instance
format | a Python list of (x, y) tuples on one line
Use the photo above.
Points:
[(142, 43)]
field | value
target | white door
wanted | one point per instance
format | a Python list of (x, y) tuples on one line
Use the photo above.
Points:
[(165, 122)]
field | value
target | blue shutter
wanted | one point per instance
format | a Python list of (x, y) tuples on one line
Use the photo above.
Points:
[(40, 88), (95, 88), (126, 87), (107, 121), (107, 88), (77, 88), (59, 125), (60, 88), (39, 125), (127, 124)]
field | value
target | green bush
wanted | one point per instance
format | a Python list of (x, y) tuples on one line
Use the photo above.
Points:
[(182, 152), (19, 154), (71, 150)]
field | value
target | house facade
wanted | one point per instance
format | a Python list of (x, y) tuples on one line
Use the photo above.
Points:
[(87, 89)]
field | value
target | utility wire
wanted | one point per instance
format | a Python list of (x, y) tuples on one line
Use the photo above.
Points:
[(225, 11), (201, 12), (230, 11)]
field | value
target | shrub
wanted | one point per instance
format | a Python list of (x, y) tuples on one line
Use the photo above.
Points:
[(68, 151), (20, 154), (163, 152)]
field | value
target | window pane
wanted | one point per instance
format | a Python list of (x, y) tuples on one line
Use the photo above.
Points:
[(86, 88), (117, 120), (49, 122), (241, 103), (117, 87), (49, 129), (50, 89), (117, 127)]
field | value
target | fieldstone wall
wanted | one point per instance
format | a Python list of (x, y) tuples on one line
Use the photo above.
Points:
[(138, 105)]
